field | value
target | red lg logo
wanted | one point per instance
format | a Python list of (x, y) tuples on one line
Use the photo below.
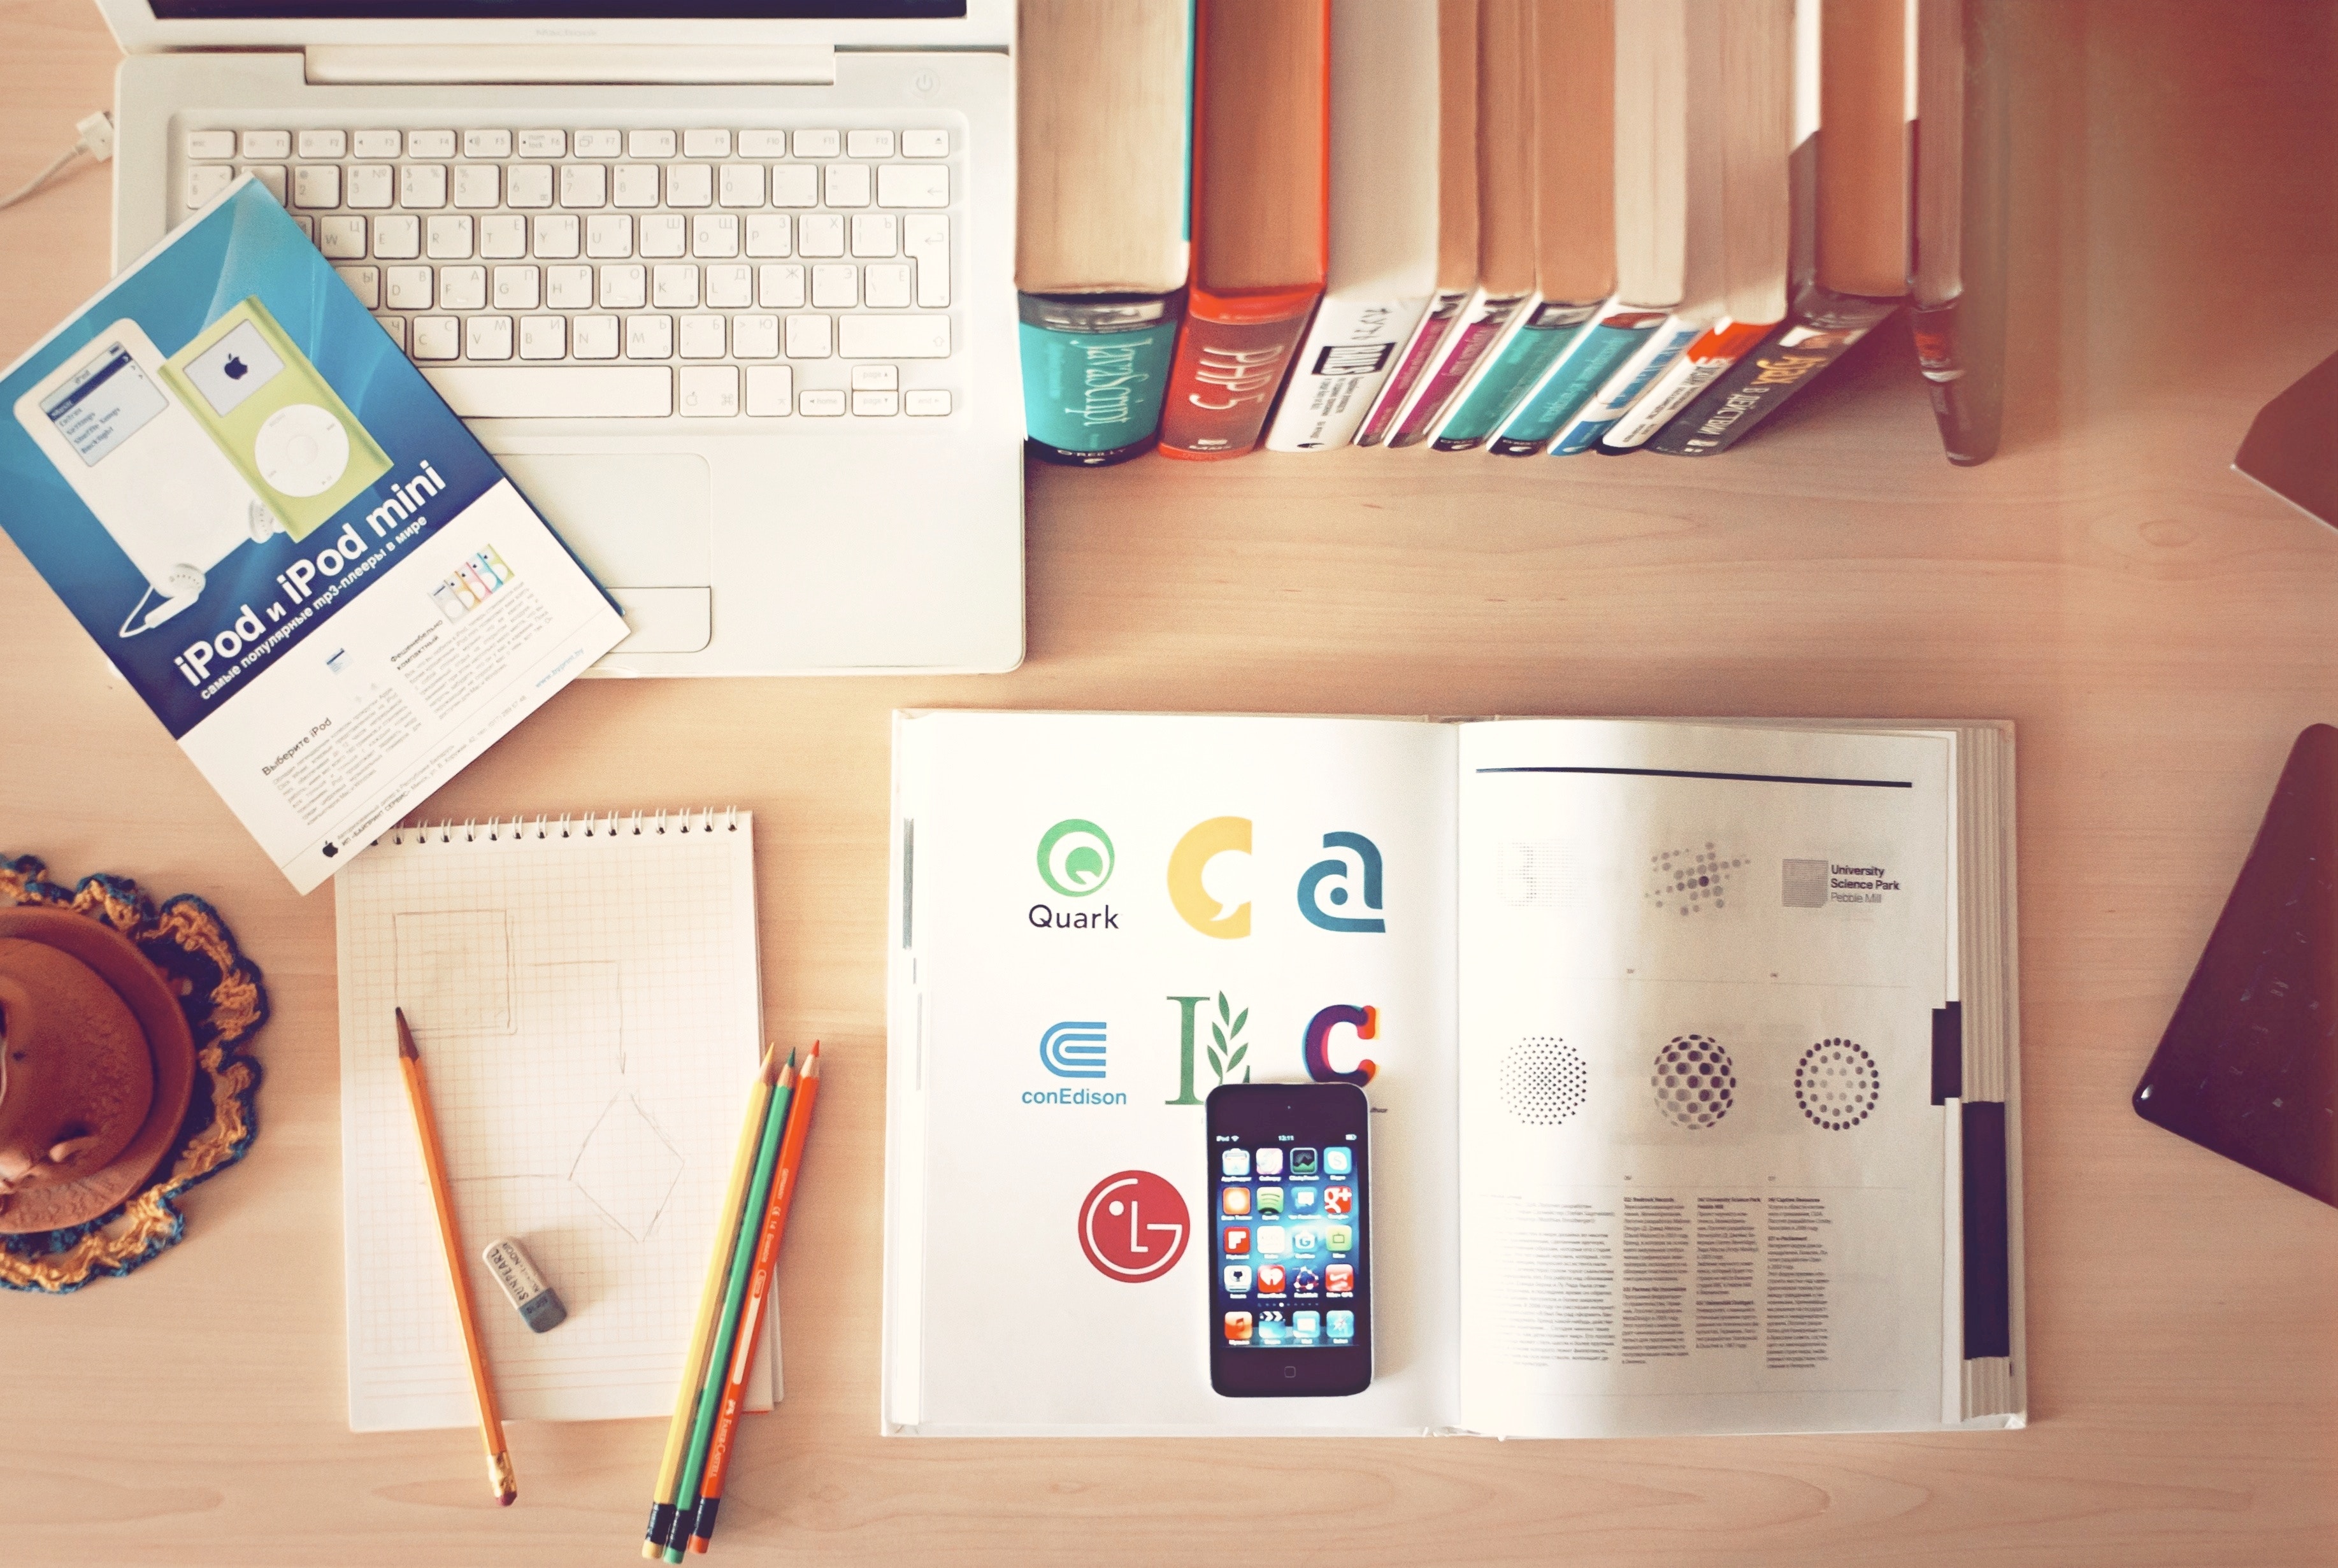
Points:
[(1134, 1227)]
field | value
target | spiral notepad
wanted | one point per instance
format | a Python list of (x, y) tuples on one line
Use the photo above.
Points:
[(584, 993)]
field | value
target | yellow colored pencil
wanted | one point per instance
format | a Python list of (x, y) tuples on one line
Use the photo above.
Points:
[(710, 1304)]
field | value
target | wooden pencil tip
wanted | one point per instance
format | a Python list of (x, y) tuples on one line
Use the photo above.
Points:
[(770, 1072), (405, 1037), (811, 1068)]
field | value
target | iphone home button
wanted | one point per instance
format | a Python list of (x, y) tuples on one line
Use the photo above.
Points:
[(1290, 1371)]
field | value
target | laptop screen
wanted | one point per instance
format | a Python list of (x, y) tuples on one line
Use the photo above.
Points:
[(483, 10)]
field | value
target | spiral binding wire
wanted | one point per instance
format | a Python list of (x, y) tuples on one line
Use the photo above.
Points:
[(610, 824)]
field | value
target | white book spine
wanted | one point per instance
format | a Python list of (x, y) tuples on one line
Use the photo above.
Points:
[(1670, 393), (1353, 345), (1626, 387)]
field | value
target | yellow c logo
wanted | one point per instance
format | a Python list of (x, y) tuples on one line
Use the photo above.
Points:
[(1194, 852)]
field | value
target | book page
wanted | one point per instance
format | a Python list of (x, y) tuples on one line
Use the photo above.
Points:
[(1090, 903), (1701, 1176)]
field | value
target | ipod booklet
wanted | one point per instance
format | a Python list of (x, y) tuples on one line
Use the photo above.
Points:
[(1689, 1047), (282, 538)]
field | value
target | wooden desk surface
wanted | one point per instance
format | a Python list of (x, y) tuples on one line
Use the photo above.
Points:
[(2158, 629)]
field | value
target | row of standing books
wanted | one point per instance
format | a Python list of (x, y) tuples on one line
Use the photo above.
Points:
[(1526, 227)]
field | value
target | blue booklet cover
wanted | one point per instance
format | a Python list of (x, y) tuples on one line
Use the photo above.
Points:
[(283, 539)]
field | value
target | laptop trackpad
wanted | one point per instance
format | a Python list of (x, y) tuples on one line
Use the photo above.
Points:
[(640, 524)]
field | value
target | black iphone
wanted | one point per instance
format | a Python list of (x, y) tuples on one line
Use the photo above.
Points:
[(1291, 1281)]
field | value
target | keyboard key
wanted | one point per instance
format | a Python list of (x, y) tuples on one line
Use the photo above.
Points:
[(518, 288), (341, 238), (462, 288), (819, 234), (556, 235), (369, 185), (731, 287), (875, 405), (543, 337), (397, 237), (701, 337), (206, 181), (593, 337), (395, 327), (636, 185), (767, 235), (503, 237), (211, 143), (884, 285), (271, 179), (268, 143), (927, 403), (308, 227), (600, 144), (690, 185), (568, 288), (754, 338), (780, 287), (925, 144), (406, 288), (875, 377), (324, 143), (648, 336), (438, 338), (487, 337), (663, 234), (557, 391), (740, 185), (710, 392), (706, 144), (377, 143), (318, 185), (421, 184), (818, 143), (894, 337), (674, 287), (714, 234), (809, 337), (543, 143), (835, 287), (477, 185), (429, 143), (486, 143), (876, 234), (625, 286), (846, 185), (912, 185), (822, 403), (529, 185), (795, 185), (763, 144), (771, 390), (925, 239), (584, 185), (868, 144), (608, 234), (649, 144), (365, 283), (452, 237)]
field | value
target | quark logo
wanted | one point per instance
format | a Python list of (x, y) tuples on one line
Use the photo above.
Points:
[(1134, 1226), (1317, 1045), (1073, 1050), (1188, 865), (1076, 857), (1314, 895)]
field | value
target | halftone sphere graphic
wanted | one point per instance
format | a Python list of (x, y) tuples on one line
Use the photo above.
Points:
[(1836, 1085), (1544, 1081), (1695, 1082)]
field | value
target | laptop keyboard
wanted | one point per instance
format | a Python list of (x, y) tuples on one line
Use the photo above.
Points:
[(743, 274)]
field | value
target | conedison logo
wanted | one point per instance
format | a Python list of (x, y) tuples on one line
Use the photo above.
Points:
[(1076, 857), (1073, 1050)]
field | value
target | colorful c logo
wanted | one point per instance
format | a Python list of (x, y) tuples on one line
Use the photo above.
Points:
[(1076, 857), (1317, 1045), (1194, 853)]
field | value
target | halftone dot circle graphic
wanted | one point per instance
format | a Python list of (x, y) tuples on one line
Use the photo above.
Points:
[(1544, 1081), (1695, 1081), (1836, 1085), (1692, 879)]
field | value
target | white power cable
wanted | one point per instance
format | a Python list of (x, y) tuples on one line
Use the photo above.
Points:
[(96, 142)]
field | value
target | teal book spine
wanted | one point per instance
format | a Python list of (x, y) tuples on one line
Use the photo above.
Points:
[(1095, 373), (1663, 346), (1575, 380), (1532, 351)]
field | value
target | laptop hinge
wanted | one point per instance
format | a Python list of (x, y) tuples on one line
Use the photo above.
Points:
[(585, 63)]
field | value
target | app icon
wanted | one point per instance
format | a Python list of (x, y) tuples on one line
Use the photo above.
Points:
[(1340, 1279), (1237, 1279), (1270, 1162), (1234, 1162), (1339, 1199), (1238, 1327), (1270, 1278), (1303, 1239), (1342, 1325), (1237, 1240), (1234, 1200), (1270, 1200), (1302, 1161), (1303, 1200), (1304, 1326), (1340, 1237), (1337, 1161), (1271, 1332), (1305, 1281), (1273, 1240)]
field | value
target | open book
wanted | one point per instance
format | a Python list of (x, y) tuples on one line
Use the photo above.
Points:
[(1691, 1045)]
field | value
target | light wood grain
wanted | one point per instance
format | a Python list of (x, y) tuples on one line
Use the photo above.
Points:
[(2158, 629)]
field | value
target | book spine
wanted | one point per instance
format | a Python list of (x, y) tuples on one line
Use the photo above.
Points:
[(1944, 368), (1412, 365), (1484, 323), (1625, 388), (1223, 382), (1721, 347), (1345, 361), (1824, 325), (1573, 381), (1531, 351), (1095, 374)]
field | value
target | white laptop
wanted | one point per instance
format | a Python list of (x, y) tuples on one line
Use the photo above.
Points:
[(726, 285)]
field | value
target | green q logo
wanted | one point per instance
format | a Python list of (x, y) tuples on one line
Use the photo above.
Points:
[(1076, 857)]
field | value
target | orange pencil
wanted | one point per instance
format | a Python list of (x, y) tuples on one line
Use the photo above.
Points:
[(426, 1128), (759, 1288)]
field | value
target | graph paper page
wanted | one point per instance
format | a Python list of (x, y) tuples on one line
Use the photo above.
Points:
[(588, 1015)]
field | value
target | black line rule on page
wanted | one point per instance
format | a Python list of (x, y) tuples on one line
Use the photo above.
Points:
[(1742, 778)]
